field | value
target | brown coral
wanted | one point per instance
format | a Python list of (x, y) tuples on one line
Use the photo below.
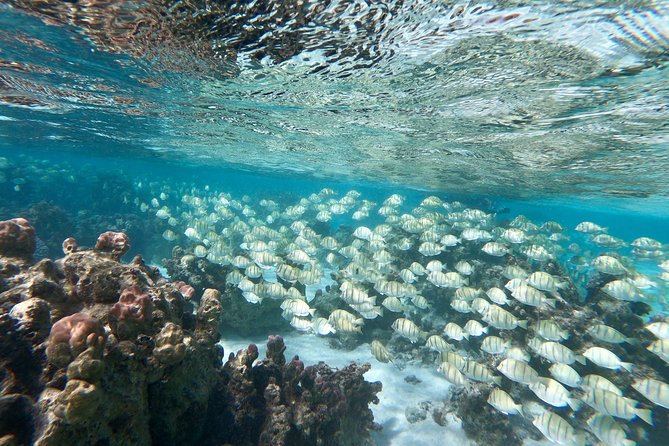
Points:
[(209, 317), (72, 335), (132, 310), (113, 243), (69, 245), (133, 304), (170, 348), (17, 238)]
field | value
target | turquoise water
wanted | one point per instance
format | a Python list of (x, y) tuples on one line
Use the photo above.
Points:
[(556, 111)]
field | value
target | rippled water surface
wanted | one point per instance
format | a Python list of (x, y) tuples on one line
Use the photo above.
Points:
[(520, 99)]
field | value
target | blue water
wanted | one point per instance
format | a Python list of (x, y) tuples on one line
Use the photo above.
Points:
[(556, 111)]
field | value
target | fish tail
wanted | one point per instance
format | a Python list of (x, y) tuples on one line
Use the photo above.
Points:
[(646, 415), (628, 366), (497, 380), (522, 324), (551, 302), (580, 359)]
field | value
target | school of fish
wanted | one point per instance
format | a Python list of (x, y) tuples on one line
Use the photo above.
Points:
[(478, 292)]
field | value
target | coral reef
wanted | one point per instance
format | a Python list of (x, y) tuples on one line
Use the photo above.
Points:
[(113, 243), (239, 315), (94, 351), (17, 238)]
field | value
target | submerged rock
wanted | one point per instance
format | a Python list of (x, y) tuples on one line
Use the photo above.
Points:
[(94, 351)]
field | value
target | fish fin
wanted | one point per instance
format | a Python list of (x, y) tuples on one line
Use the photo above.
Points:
[(579, 439), (551, 302), (646, 415), (466, 281), (485, 330), (522, 324), (497, 380), (312, 311), (580, 359), (631, 341), (574, 404), (628, 366), (466, 336), (627, 442)]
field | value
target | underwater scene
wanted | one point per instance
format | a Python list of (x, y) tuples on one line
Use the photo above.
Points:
[(334, 223)]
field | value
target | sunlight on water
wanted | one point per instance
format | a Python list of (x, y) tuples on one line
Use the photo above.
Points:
[(552, 98), (470, 196)]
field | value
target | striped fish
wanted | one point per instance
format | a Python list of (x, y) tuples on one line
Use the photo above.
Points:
[(406, 328), (478, 372), (501, 319), (660, 348), (557, 430), (608, 334), (455, 332), (608, 403), (453, 358), (438, 343), (659, 329), (452, 374), (656, 391), (558, 353), (518, 371), (599, 382), (607, 359), (566, 375), (503, 402), (528, 295), (608, 430), (543, 281), (553, 393), (494, 345), (550, 330), (380, 352)]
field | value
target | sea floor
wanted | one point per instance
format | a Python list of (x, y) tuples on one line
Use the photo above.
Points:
[(397, 394)]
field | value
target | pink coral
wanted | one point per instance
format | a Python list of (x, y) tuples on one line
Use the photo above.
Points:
[(113, 243), (186, 290), (133, 305), (72, 335), (17, 238)]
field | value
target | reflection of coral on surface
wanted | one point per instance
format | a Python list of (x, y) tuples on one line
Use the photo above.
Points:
[(130, 361)]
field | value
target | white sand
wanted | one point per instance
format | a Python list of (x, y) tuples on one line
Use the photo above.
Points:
[(396, 396)]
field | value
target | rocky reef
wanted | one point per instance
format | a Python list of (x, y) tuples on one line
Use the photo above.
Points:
[(95, 351)]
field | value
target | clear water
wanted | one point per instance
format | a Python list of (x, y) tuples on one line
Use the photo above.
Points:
[(557, 110)]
